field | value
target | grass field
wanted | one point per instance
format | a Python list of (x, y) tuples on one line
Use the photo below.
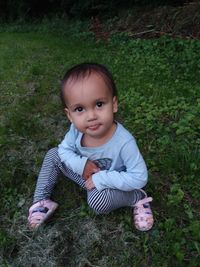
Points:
[(159, 93)]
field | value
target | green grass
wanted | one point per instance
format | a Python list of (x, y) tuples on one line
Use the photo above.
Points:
[(159, 93)]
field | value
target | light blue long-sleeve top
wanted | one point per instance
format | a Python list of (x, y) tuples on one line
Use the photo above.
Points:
[(121, 163)]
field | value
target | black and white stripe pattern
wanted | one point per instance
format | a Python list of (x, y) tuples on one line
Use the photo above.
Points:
[(100, 201)]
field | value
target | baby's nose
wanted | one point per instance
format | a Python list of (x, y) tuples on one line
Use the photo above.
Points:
[(91, 116)]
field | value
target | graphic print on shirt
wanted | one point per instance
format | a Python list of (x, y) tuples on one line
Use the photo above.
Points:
[(103, 164)]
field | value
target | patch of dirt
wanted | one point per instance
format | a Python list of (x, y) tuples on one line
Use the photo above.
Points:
[(180, 21)]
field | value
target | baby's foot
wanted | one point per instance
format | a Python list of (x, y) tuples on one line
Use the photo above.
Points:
[(142, 213), (40, 212)]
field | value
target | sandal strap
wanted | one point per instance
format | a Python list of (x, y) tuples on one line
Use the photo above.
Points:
[(40, 209), (143, 201)]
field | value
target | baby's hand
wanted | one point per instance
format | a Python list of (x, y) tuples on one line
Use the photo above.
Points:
[(89, 184), (90, 168)]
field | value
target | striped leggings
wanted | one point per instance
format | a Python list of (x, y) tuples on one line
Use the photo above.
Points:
[(101, 202)]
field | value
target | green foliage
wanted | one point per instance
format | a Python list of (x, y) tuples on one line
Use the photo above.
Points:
[(158, 83)]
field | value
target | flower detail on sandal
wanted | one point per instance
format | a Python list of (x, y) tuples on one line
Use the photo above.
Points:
[(143, 217), (40, 212)]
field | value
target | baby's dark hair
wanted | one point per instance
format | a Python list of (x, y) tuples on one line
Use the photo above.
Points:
[(85, 69)]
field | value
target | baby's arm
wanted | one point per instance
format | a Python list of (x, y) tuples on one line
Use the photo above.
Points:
[(67, 152), (134, 177), (77, 163)]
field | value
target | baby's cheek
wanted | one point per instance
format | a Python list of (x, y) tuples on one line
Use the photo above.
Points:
[(80, 126)]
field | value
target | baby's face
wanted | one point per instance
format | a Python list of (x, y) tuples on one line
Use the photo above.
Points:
[(91, 106)]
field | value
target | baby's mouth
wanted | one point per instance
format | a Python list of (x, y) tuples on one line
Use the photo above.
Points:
[(94, 127)]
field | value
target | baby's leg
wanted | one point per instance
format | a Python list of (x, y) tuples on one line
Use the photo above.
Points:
[(110, 199), (52, 167), (103, 202), (43, 206)]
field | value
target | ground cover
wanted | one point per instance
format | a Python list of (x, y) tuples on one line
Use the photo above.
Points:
[(159, 83)]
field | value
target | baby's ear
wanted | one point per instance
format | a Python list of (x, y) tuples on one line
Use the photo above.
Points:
[(115, 104), (67, 113)]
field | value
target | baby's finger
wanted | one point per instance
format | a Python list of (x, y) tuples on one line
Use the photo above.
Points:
[(95, 170), (87, 185)]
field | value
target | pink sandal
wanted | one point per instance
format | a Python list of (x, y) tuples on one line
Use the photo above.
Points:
[(40, 212), (143, 217)]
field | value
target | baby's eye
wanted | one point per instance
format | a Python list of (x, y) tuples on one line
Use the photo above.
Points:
[(78, 109), (99, 104)]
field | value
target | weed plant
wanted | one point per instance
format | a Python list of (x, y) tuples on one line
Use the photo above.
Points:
[(159, 94)]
